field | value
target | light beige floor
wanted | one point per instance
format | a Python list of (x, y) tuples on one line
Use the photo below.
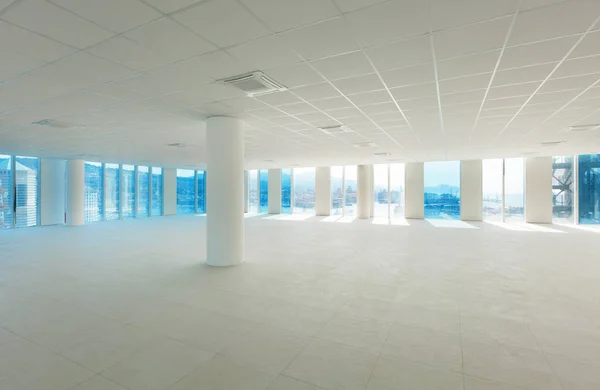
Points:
[(332, 305)]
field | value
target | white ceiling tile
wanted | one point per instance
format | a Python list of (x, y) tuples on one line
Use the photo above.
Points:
[(530, 4), (324, 39), (462, 97), (414, 104), (414, 91), (373, 97), (331, 103), (282, 15), (295, 75), (265, 53), (279, 98), (506, 102), (342, 113), (168, 6), (578, 66), (561, 96), (390, 21), (314, 117), (550, 22), (15, 64), (115, 15), (116, 90), (447, 14), (352, 5), (359, 84), (379, 108), (416, 74), (536, 53), (588, 46), (523, 75), (473, 38), (223, 22), (5, 3), (128, 53), (244, 103), (344, 65), (566, 83), (169, 39), (266, 113), (467, 83), (524, 89), (297, 108), (408, 52), (484, 62), (316, 91), (216, 65), (49, 20)]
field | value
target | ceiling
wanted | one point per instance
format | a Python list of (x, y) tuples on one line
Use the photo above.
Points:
[(423, 80)]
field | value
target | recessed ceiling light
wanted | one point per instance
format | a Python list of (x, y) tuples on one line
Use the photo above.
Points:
[(254, 83), (338, 129), (365, 145), (382, 154), (551, 143), (176, 145), (582, 128), (269, 161)]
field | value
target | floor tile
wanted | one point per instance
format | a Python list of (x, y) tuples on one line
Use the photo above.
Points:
[(286, 383), (576, 375), (98, 383), (438, 320), (298, 318), (364, 333), (473, 383), (498, 330)]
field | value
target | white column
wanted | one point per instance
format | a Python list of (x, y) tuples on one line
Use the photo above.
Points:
[(414, 190), (323, 191), (246, 193), (169, 191), (538, 190), (274, 191), (364, 192), (52, 191), (75, 192), (372, 191), (471, 190), (225, 191)]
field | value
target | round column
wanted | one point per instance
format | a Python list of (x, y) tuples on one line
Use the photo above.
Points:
[(224, 191), (364, 192), (75, 192)]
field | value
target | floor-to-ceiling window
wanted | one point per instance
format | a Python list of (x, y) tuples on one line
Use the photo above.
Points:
[(143, 191), (381, 194), (186, 191), (201, 196), (397, 180), (6, 192), (111, 185), (337, 190), (93, 192), (350, 195), (493, 175), (304, 190), (128, 191), (286, 191), (562, 189), (588, 185), (157, 191), (442, 190), (26, 186), (264, 191), (514, 189), (253, 194)]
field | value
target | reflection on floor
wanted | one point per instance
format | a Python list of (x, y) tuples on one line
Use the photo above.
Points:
[(129, 305)]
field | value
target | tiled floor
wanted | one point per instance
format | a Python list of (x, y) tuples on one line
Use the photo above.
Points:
[(318, 305)]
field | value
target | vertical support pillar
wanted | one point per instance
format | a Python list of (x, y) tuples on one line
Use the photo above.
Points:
[(52, 191), (471, 190), (364, 192), (274, 191), (169, 191), (225, 191), (323, 191), (538, 190), (246, 193), (414, 190), (75, 192)]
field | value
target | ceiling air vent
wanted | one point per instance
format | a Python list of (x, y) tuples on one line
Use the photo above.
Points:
[(551, 143), (572, 129), (178, 145), (254, 83), (365, 145), (382, 154), (55, 124), (339, 129)]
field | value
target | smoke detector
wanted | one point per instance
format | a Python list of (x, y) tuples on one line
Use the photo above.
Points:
[(254, 83), (572, 129), (339, 129)]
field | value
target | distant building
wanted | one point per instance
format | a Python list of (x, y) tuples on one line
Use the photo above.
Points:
[(27, 193)]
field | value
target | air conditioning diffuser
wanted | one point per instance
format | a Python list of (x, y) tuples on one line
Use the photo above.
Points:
[(254, 83)]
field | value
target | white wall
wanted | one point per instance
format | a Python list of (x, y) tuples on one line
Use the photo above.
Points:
[(538, 190), (169, 191), (274, 191), (52, 191), (323, 191), (471, 190), (364, 191), (414, 188)]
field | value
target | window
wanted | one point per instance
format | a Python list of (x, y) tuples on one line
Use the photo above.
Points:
[(442, 190), (562, 189), (157, 191), (6, 192), (93, 192), (26, 180), (201, 192), (112, 191), (286, 191), (253, 191), (128, 191), (381, 194), (186, 191), (589, 188), (304, 190), (350, 195), (514, 186), (397, 181), (337, 192), (493, 176), (143, 191), (264, 191)]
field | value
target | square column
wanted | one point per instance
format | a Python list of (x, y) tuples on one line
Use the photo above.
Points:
[(274, 191), (471, 190), (538, 190), (323, 191), (414, 191), (75, 192)]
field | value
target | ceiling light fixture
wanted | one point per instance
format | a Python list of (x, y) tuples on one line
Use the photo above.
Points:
[(365, 145), (551, 143), (338, 129), (254, 83), (382, 154), (577, 128), (55, 124), (178, 145)]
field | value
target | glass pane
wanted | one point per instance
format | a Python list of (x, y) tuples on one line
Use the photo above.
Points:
[(157, 191), (112, 191), (202, 192), (94, 192), (337, 194), (397, 190), (442, 190), (304, 190), (128, 191), (186, 191), (253, 191), (562, 189), (589, 189), (264, 191), (492, 189), (26, 176), (381, 194), (6, 192), (286, 191), (143, 191), (350, 177), (514, 186)]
